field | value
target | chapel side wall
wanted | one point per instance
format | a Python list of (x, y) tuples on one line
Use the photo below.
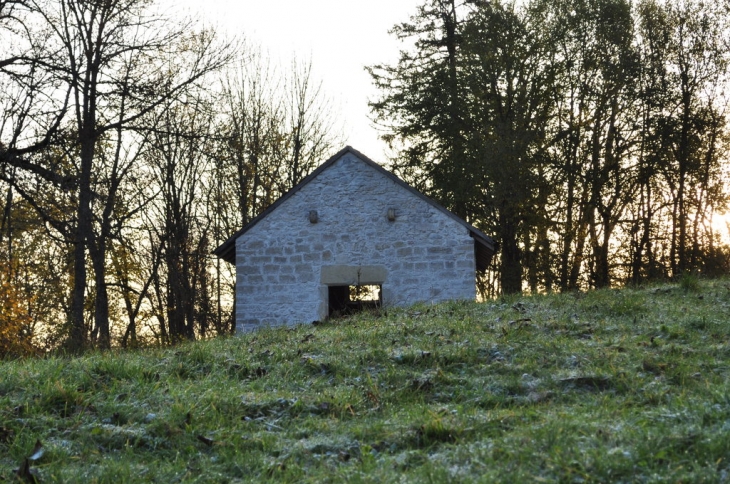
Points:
[(426, 255)]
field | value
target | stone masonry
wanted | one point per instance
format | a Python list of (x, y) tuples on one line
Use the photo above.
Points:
[(285, 261)]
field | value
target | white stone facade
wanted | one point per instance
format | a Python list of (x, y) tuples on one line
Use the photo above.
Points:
[(285, 262)]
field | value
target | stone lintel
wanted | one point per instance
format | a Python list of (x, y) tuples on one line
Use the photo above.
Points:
[(343, 275)]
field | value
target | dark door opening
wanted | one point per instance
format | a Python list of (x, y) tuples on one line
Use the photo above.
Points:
[(346, 300)]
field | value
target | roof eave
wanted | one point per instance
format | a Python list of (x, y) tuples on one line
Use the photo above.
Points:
[(483, 251)]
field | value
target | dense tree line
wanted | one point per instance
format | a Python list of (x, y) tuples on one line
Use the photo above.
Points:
[(589, 136), (131, 144)]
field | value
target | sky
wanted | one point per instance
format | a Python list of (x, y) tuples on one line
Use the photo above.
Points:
[(340, 37)]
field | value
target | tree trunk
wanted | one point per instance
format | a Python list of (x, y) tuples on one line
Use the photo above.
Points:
[(100, 334), (511, 267), (83, 233)]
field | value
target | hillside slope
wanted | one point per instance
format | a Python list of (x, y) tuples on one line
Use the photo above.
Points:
[(616, 385)]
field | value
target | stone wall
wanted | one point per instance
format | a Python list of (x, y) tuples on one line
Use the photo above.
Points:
[(285, 262)]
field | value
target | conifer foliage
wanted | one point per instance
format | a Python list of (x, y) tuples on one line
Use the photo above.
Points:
[(590, 137)]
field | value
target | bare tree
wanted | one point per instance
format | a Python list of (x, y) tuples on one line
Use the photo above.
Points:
[(179, 159), (119, 61), (310, 124)]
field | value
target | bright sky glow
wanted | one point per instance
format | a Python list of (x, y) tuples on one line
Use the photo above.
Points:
[(340, 36)]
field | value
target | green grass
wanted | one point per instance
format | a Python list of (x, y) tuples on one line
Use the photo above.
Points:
[(607, 386)]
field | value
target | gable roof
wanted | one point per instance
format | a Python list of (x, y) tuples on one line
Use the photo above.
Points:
[(484, 245)]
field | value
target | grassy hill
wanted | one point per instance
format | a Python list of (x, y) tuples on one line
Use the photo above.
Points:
[(616, 385)]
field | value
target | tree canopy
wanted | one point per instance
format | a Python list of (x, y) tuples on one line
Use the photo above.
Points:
[(590, 137)]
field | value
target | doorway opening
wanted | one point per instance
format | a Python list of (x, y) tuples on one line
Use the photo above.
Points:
[(347, 300)]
